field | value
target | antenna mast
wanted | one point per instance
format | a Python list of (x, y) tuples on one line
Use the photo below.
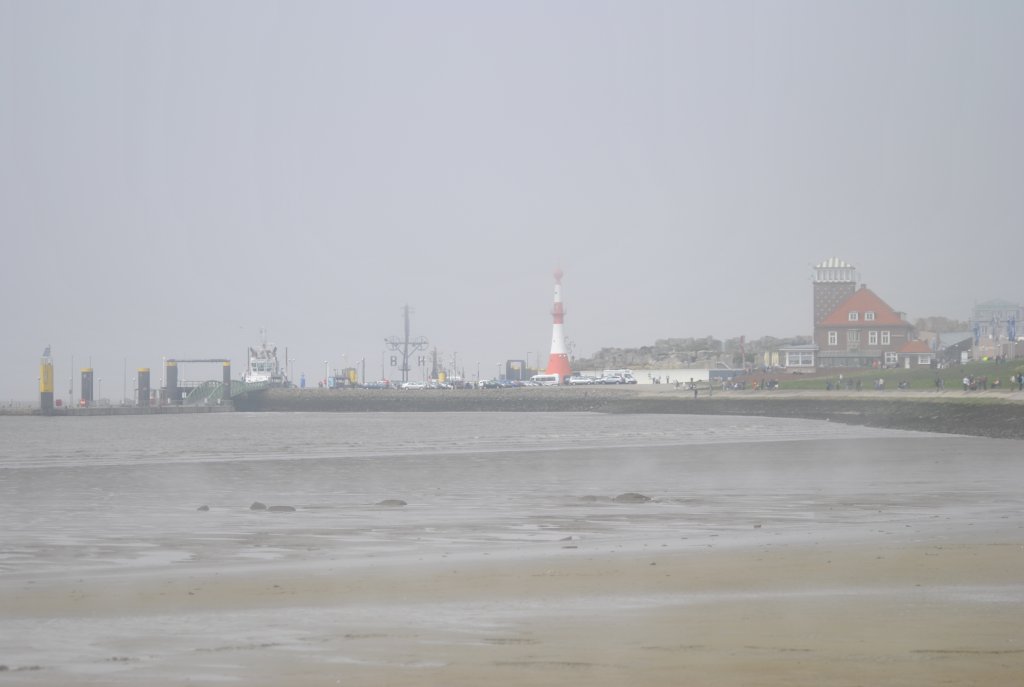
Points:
[(406, 346)]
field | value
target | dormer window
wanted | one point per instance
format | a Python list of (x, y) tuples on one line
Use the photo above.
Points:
[(854, 316), (869, 315)]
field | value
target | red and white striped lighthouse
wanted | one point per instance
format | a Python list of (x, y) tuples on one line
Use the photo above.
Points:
[(558, 363)]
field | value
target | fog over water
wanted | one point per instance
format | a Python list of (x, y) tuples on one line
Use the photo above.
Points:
[(176, 176)]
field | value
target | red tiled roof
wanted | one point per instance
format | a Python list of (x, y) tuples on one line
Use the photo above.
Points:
[(915, 347), (863, 300)]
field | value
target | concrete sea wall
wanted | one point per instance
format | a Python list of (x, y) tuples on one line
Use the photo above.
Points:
[(1000, 415)]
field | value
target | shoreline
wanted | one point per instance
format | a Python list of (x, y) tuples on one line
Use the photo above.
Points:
[(989, 414), (994, 414)]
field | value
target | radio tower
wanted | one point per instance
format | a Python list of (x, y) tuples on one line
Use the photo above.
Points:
[(558, 363), (405, 346)]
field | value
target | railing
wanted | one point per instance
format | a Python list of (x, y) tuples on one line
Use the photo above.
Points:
[(204, 393), (210, 392)]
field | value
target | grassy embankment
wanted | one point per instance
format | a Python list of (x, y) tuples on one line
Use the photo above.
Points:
[(920, 378)]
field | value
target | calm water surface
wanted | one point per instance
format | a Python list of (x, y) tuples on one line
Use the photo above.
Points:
[(113, 493)]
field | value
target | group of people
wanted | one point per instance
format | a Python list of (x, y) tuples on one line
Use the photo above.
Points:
[(848, 384), (972, 383)]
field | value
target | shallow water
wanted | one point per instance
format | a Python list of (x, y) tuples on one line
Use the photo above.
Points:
[(113, 493)]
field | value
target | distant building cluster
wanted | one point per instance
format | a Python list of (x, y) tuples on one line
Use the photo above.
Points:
[(994, 328), (855, 328)]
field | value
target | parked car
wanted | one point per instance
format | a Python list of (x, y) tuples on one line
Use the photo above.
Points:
[(611, 379), (414, 385), (580, 379), (490, 384)]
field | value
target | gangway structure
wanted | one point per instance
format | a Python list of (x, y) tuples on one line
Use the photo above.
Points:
[(175, 393), (212, 392)]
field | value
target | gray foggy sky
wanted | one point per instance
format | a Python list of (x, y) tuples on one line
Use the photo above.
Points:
[(175, 176)]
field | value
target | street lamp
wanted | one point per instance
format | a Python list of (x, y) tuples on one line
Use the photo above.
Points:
[(99, 390), (528, 353), (326, 374), (478, 372), (499, 372)]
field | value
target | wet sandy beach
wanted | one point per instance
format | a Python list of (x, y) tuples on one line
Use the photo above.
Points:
[(937, 614), (776, 554)]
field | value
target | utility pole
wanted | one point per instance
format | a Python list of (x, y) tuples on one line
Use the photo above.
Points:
[(406, 346)]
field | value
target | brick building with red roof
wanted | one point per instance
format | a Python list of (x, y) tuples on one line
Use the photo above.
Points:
[(863, 331)]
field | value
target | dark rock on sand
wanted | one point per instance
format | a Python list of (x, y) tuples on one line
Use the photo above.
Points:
[(203, 508), (631, 497), (392, 502), (256, 505), (282, 509)]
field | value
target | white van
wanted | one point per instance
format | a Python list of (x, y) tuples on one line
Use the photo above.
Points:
[(547, 380), (626, 376)]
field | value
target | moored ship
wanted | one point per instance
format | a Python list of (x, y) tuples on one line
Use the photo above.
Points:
[(264, 366)]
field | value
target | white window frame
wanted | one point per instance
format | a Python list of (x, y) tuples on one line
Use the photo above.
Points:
[(833, 338), (853, 336), (853, 316), (799, 359), (873, 338), (886, 337), (869, 316), (891, 358), (924, 359)]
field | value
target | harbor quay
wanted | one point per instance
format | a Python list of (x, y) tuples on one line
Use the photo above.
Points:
[(991, 414)]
